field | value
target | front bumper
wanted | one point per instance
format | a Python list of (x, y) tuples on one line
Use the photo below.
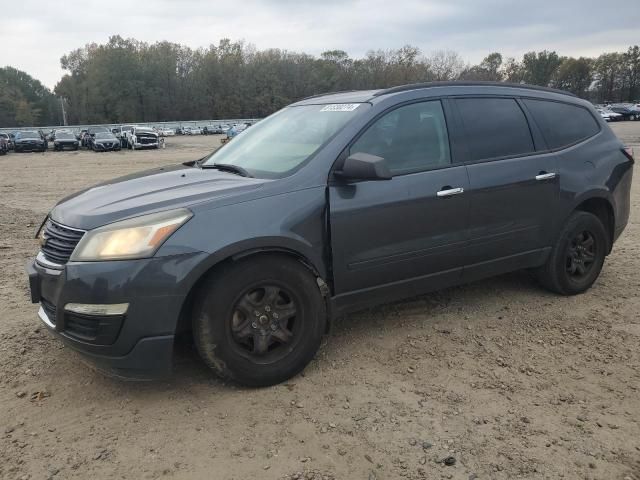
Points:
[(138, 344), (102, 147), (30, 147), (65, 145)]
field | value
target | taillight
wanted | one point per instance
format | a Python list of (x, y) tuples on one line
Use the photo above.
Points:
[(628, 152)]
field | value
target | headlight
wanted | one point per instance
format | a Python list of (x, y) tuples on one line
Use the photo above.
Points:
[(138, 237)]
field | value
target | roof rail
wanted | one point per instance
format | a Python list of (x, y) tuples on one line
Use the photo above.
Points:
[(455, 83), (327, 93)]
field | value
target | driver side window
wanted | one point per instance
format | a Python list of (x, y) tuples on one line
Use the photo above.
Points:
[(411, 138)]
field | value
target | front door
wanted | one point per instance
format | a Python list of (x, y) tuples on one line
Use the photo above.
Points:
[(399, 237)]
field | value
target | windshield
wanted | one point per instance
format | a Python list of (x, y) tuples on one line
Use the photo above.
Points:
[(64, 135), (104, 135), (27, 135), (282, 142)]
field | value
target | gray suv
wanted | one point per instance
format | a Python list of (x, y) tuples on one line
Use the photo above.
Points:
[(335, 203)]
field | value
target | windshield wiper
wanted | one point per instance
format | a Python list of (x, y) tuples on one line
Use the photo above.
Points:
[(227, 167)]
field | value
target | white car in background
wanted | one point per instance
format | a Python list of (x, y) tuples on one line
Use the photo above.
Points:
[(192, 131), (142, 137), (166, 132)]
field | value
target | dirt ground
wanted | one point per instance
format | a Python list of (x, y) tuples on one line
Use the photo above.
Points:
[(509, 380)]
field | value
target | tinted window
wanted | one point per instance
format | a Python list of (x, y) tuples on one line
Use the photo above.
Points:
[(410, 138), (562, 124), (495, 127)]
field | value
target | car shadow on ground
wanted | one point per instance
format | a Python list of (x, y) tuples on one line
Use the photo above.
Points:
[(190, 370)]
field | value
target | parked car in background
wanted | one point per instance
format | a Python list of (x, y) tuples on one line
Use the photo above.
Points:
[(92, 131), (4, 143), (121, 133), (104, 142), (29, 141), (627, 110), (192, 131), (64, 139), (7, 141), (166, 132), (84, 137), (608, 115), (210, 129), (142, 137)]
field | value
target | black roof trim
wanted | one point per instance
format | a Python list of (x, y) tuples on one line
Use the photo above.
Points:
[(417, 86)]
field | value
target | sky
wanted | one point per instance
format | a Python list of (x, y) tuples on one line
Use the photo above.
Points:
[(39, 32)]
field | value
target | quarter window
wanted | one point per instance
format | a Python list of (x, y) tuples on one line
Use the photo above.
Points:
[(411, 138), (562, 124), (495, 128)]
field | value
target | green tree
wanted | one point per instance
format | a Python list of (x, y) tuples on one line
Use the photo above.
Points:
[(539, 68), (574, 75)]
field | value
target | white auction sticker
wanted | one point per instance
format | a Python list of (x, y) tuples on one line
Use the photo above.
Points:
[(340, 107)]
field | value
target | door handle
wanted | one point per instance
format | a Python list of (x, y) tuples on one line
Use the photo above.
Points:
[(545, 176), (450, 191)]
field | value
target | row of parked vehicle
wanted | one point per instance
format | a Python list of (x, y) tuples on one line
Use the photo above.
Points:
[(219, 129), (102, 139), (619, 111), (98, 139)]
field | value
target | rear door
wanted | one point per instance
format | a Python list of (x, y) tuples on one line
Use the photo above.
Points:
[(407, 233), (513, 187)]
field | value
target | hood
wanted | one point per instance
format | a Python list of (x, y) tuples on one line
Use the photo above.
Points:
[(154, 190)]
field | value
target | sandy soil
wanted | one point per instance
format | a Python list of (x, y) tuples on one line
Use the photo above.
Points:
[(509, 380)]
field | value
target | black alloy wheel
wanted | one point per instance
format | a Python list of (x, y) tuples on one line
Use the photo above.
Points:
[(581, 254), (263, 323), (578, 255), (259, 321)]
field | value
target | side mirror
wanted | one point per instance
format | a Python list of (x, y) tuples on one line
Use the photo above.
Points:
[(363, 166)]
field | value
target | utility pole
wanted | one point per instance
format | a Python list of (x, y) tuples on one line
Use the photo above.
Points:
[(64, 114)]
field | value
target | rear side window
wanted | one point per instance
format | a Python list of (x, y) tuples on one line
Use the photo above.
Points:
[(562, 124), (495, 128)]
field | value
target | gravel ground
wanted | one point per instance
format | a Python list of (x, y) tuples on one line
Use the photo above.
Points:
[(507, 379)]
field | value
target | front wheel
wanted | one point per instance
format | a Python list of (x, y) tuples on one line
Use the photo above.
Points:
[(577, 257), (259, 321)]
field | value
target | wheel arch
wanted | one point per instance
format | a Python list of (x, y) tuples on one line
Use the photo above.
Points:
[(216, 261), (600, 205)]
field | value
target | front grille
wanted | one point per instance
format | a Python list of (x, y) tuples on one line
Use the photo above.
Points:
[(60, 241), (146, 140), (50, 309)]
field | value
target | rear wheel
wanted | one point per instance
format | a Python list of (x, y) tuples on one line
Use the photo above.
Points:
[(259, 321), (577, 257)]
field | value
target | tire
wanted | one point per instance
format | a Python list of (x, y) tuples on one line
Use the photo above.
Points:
[(577, 257), (268, 344)]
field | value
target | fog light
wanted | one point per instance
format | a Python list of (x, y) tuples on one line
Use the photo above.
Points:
[(93, 309)]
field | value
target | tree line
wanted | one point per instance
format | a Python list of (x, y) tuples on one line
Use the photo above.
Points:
[(24, 101), (126, 80)]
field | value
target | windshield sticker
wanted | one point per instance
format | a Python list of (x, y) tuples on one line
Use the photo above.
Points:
[(340, 107)]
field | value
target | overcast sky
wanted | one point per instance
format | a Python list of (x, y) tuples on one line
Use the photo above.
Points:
[(36, 33)]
